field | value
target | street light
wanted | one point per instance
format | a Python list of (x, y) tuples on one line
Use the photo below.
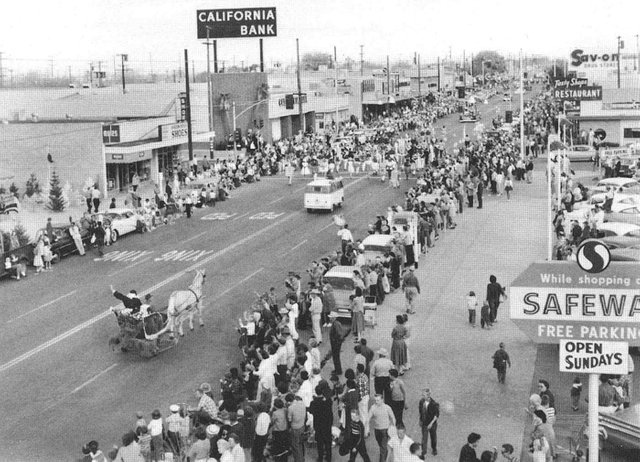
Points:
[(209, 95), (235, 118)]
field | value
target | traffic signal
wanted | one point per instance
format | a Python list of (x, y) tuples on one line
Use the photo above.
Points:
[(508, 117), (461, 92), (288, 101), (237, 135)]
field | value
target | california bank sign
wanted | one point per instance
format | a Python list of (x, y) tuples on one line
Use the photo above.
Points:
[(585, 60)]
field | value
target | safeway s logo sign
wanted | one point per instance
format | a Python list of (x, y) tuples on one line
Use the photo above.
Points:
[(578, 57), (593, 257)]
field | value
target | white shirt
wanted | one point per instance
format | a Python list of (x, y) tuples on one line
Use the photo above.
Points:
[(400, 448), (155, 427), (306, 393), (262, 424), (345, 235), (237, 453)]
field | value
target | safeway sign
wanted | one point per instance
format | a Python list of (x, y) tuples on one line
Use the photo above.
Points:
[(552, 301)]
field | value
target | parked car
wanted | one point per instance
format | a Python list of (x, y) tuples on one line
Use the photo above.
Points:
[(581, 153), (121, 221), (629, 166), (627, 185), (627, 254), (620, 201), (618, 229), (341, 280), (627, 214), (616, 242), (622, 427), (63, 245)]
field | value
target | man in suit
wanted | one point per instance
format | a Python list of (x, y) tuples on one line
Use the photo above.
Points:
[(468, 451), (429, 411), (131, 301), (337, 334)]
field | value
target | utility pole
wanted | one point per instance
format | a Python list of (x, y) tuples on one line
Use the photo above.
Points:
[(521, 107), (193, 70), (464, 69), (100, 74), (419, 78), (618, 61), (123, 59), (188, 104), (91, 74), (208, 44), (300, 113), (335, 68), (388, 78), (636, 61), (69, 71), (362, 59), (51, 66), (438, 74), (1, 72)]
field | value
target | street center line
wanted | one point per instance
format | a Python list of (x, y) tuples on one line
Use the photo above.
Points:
[(243, 215), (94, 378), (325, 227), (239, 282), (276, 200), (296, 246), (108, 312), (194, 237), (41, 306), (129, 266)]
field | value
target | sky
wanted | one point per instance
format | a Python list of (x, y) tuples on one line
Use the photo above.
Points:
[(73, 32)]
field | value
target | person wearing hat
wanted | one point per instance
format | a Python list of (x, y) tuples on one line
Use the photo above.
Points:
[(411, 288), (337, 334), (293, 311), (207, 409), (131, 301), (315, 308), (156, 430), (380, 370), (174, 421), (500, 362)]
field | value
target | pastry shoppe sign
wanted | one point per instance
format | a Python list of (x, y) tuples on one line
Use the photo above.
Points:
[(576, 90), (594, 300)]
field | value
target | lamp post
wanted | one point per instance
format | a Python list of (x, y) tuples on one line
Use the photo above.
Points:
[(619, 60), (235, 118), (209, 94)]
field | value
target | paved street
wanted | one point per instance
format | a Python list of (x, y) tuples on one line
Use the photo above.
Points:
[(54, 339)]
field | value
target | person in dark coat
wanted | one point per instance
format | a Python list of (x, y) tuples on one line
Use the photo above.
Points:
[(468, 451), (494, 292), (322, 411), (337, 334)]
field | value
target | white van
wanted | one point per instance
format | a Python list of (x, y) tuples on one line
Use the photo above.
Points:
[(375, 245), (324, 194), (341, 280)]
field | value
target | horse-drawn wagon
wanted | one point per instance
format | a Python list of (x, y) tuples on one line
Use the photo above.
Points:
[(149, 333)]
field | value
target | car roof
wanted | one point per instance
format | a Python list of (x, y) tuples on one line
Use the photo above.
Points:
[(617, 181), (117, 210), (341, 271), (618, 227), (378, 239), (323, 181)]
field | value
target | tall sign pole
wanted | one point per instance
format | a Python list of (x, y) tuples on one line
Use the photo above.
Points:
[(209, 94), (335, 68), (419, 78), (618, 61), (300, 113), (188, 104), (521, 108), (438, 74)]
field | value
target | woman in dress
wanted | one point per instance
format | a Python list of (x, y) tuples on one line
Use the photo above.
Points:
[(398, 345), (357, 310), (37, 255)]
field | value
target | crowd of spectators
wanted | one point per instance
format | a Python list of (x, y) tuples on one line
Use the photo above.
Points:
[(276, 402)]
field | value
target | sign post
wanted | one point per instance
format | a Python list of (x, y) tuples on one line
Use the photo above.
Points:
[(591, 309)]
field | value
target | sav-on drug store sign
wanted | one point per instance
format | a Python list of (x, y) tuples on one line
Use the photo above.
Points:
[(599, 357), (552, 301)]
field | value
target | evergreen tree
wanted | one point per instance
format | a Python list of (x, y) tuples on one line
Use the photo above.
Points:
[(33, 186), (56, 196), (21, 233), (13, 189)]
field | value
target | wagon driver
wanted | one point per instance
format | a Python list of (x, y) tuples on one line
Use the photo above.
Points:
[(131, 302)]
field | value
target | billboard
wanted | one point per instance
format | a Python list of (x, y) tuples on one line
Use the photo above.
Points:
[(237, 23), (110, 133)]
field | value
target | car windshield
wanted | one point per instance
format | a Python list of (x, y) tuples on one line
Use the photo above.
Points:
[(375, 248), (339, 283)]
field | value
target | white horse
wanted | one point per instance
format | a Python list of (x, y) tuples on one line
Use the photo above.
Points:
[(183, 304)]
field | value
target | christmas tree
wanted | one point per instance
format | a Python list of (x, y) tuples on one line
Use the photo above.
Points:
[(57, 202), (33, 186)]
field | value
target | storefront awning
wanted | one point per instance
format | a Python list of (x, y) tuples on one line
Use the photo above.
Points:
[(137, 147)]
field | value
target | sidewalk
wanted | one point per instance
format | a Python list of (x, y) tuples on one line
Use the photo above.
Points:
[(448, 355)]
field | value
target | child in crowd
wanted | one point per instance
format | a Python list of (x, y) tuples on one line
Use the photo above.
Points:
[(576, 389), (144, 440), (484, 315), (47, 255), (508, 187), (472, 306)]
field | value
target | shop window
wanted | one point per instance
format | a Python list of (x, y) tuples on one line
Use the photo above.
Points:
[(632, 133)]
